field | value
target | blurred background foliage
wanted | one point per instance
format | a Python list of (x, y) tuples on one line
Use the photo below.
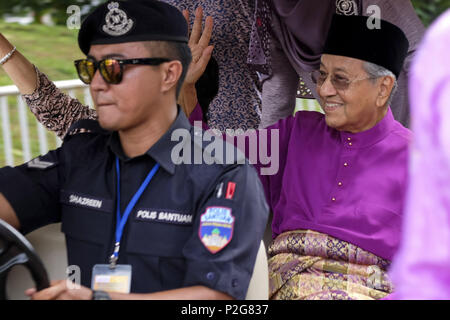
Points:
[(428, 10), (39, 8)]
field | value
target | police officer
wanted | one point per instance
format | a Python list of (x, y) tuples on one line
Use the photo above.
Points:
[(137, 222)]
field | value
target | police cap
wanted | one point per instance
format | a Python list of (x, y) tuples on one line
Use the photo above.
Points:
[(130, 21)]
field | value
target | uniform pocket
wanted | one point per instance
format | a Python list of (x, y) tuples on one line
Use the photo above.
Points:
[(156, 249), (86, 217), (88, 232), (158, 239)]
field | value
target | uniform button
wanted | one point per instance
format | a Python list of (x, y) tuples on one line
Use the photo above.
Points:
[(234, 283), (345, 164), (340, 184), (333, 199), (210, 276)]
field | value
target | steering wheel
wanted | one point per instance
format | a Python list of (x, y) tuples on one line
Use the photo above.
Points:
[(16, 250)]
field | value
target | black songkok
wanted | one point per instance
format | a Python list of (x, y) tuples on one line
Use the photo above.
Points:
[(129, 21), (357, 37)]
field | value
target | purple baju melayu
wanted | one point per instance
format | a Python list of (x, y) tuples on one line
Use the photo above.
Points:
[(348, 185)]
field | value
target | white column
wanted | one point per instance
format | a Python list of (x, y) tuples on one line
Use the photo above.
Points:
[(58, 141), (88, 98), (24, 133), (43, 146)]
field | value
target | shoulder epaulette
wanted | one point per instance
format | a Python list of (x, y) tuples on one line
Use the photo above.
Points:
[(85, 126)]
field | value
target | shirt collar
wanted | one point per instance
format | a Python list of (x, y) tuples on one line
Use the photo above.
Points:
[(161, 151), (371, 136)]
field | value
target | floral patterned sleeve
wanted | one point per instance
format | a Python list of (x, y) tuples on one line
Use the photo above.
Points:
[(54, 109)]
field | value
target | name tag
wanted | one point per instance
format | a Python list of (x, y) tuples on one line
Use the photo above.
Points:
[(111, 280), (86, 201), (164, 216)]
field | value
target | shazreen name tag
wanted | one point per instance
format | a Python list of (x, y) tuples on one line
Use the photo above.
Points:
[(111, 280)]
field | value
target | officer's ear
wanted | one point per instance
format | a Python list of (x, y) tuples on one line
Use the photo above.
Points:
[(171, 73)]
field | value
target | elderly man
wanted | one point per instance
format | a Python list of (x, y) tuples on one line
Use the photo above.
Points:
[(345, 172), (131, 224), (337, 199)]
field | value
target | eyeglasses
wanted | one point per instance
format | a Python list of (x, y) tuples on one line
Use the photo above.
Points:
[(339, 83), (110, 69)]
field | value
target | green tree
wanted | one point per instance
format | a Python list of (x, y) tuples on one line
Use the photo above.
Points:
[(38, 7), (57, 8), (429, 10)]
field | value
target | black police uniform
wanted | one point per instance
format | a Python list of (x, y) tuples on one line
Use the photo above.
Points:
[(76, 184)]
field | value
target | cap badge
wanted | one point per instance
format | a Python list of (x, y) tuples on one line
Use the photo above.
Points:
[(117, 21), (346, 7)]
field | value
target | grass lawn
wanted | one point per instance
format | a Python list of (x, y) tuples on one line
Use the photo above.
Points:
[(53, 50)]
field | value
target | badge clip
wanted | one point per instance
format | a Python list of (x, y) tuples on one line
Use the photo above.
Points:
[(115, 256)]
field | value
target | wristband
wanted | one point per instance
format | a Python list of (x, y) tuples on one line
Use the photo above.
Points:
[(8, 55)]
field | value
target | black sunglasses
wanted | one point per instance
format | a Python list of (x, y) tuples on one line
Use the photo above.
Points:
[(110, 69)]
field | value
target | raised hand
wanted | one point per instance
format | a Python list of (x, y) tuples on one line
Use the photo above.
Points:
[(201, 53), (199, 44)]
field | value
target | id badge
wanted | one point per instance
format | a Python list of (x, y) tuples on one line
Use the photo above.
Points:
[(111, 280)]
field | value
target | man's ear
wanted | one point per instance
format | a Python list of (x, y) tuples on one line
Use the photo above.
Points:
[(386, 87), (171, 75)]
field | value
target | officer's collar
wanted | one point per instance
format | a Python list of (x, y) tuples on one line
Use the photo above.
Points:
[(161, 151)]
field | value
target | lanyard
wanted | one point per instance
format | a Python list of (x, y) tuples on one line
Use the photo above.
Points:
[(122, 219)]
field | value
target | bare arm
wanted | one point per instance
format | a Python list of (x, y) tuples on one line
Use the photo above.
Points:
[(54, 109), (188, 98), (7, 213), (18, 68)]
